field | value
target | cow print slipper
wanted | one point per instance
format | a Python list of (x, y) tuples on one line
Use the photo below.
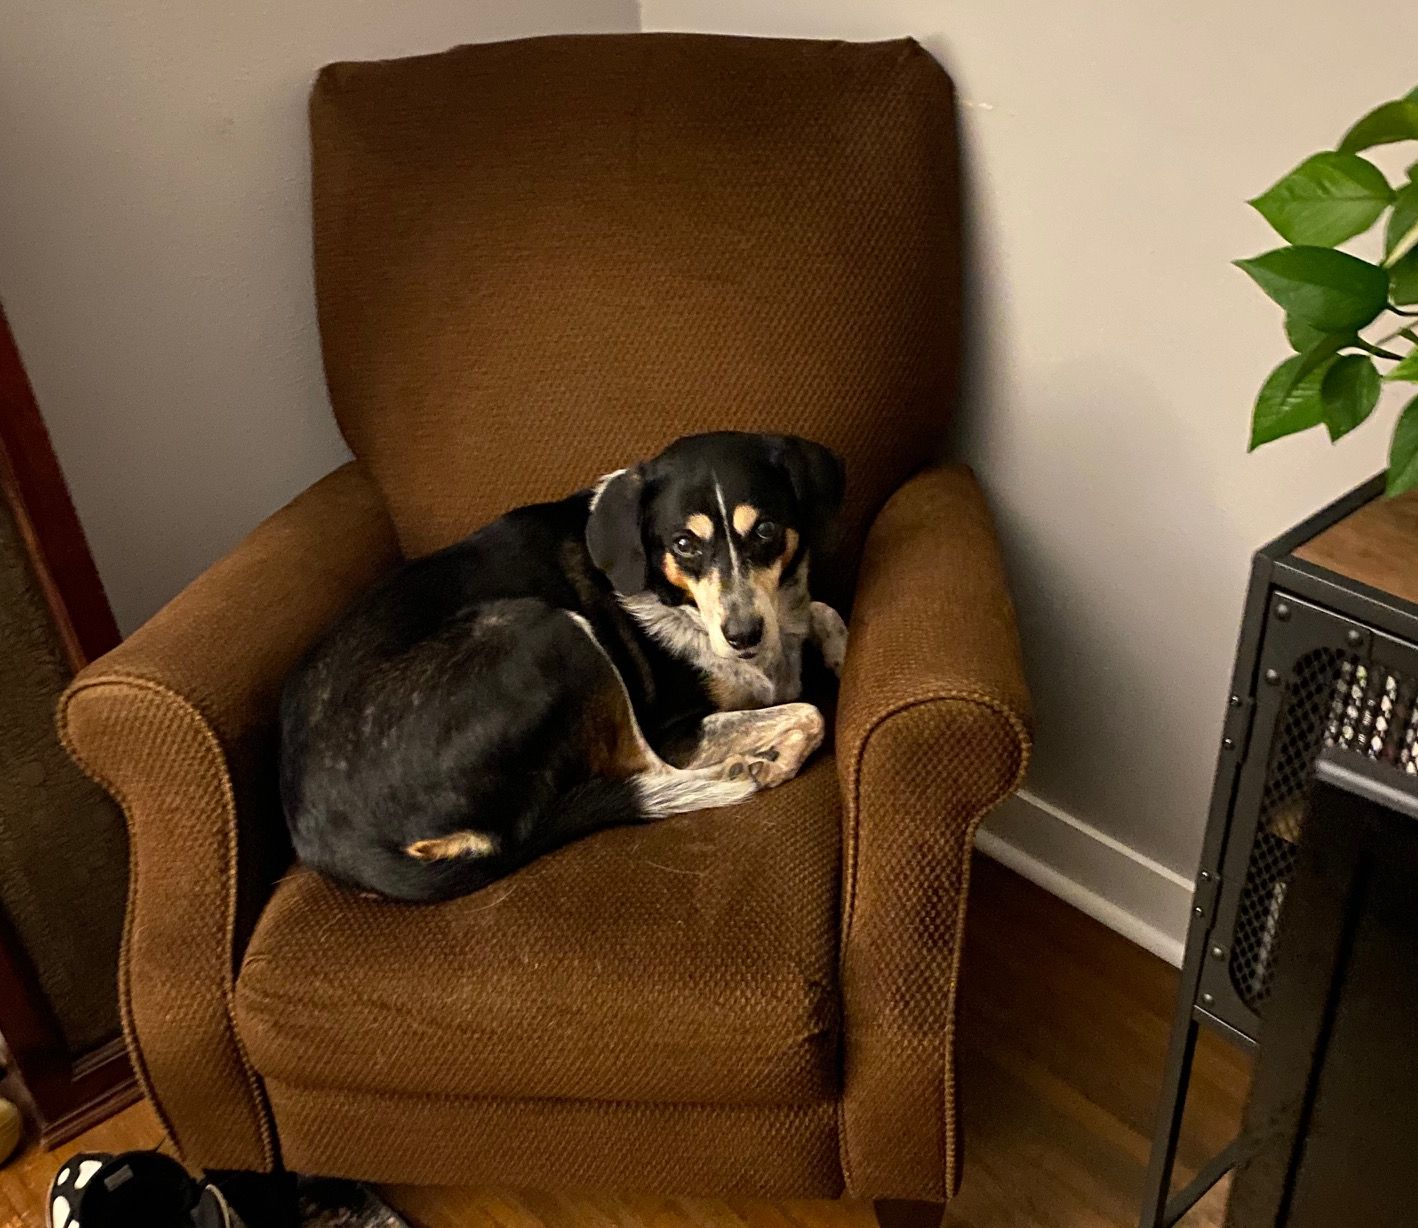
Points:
[(68, 1184), (138, 1188)]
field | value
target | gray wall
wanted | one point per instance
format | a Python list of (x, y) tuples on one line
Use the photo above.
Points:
[(1110, 149), (155, 250), (154, 261)]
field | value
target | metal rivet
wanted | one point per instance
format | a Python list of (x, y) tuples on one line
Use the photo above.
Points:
[(1354, 636), (1282, 611), (1197, 910), (1218, 952), (1272, 676), (1234, 701), (1206, 876), (1229, 743), (1208, 999)]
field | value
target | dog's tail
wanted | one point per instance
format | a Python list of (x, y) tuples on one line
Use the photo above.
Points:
[(464, 861)]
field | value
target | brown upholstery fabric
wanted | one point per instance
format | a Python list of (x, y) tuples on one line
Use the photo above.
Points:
[(685, 1149), (689, 960), (539, 260), (536, 261), (176, 723), (932, 733)]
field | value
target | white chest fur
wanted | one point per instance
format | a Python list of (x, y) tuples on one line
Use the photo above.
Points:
[(772, 677)]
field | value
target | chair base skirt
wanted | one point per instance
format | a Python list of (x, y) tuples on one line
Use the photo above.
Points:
[(787, 1151)]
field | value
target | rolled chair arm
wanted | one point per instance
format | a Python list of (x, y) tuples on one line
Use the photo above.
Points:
[(178, 724), (933, 731)]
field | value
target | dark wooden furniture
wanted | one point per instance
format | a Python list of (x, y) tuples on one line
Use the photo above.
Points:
[(1373, 545), (1332, 1126), (1328, 658), (33, 487), (74, 1074)]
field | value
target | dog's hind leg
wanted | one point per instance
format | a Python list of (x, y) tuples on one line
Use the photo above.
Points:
[(770, 744), (764, 749), (628, 782), (658, 788), (735, 753)]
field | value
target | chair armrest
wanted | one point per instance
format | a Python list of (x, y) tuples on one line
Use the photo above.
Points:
[(178, 724), (932, 731)]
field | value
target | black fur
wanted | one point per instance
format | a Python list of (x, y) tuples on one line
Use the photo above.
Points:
[(613, 535), (818, 479), (451, 696)]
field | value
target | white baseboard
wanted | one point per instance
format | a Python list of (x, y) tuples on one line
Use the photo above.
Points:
[(1132, 894)]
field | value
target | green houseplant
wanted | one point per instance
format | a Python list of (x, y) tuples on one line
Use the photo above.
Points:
[(1344, 316)]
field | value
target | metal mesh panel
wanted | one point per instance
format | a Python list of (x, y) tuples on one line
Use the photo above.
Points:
[(1332, 698)]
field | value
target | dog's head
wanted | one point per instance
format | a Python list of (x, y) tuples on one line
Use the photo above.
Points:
[(721, 523)]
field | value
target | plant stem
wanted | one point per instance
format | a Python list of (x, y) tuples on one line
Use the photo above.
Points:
[(1377, 350), (1405, 330)]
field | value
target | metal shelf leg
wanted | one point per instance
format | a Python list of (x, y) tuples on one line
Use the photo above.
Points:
[(1170, 1111)]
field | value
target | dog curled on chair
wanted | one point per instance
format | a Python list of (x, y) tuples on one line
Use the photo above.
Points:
[(632, 651)]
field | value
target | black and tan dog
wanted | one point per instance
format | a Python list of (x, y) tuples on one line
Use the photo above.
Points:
[(629, 652)]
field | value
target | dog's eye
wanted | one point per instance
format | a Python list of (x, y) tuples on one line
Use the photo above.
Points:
[(686, 545), (765, 530)]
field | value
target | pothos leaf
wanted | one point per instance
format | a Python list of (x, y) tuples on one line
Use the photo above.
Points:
[(1286, 405), (1348, 393), (1403, 452), (1325, 200)]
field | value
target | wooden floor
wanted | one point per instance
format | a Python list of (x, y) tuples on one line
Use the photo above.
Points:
[(1063, 1027)]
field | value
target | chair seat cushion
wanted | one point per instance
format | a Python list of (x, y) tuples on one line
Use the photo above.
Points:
[(689, 960)]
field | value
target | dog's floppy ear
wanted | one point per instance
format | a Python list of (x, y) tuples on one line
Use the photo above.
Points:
[(613, 531), (817, 475)]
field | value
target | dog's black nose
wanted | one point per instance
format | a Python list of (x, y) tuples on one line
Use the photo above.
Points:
[(743, 634)]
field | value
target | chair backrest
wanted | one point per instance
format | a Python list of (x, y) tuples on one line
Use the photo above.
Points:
[(539, 260)]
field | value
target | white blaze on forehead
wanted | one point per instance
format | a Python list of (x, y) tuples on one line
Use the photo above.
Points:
[(728, 536)]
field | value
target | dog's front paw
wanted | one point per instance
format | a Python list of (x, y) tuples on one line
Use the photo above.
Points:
[(784, 738), (829, 633)]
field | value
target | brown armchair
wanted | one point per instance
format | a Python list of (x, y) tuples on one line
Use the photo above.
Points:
[(535, 261)]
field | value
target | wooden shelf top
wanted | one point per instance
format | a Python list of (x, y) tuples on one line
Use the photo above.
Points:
[(1376, 545)]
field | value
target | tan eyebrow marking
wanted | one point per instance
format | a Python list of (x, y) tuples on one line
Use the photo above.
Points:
[(701, 526), (707, 590), (745, 517), (674, 573)]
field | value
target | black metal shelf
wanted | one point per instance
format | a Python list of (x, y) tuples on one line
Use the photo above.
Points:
[(1322, 661)]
